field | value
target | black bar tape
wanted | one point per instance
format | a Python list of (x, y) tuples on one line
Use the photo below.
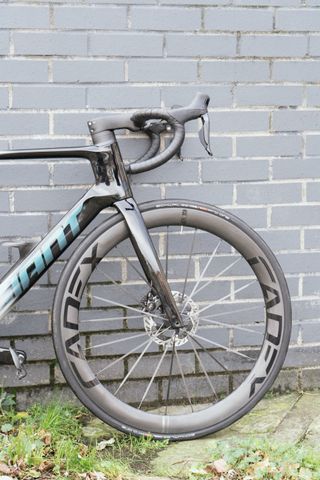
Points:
[(139, 118)]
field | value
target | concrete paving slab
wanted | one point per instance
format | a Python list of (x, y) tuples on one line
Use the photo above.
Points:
[(298, 420), (176, 460)]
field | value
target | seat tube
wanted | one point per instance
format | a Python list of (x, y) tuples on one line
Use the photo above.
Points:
[(144, 248)]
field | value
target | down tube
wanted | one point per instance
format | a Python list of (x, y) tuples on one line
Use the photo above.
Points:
[(21, 278)]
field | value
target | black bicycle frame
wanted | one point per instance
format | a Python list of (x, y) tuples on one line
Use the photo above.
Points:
[(112, 188)]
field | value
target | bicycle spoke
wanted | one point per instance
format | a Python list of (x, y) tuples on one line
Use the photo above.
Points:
[(225, 297), (230, 325), (107, 300), (189, 262), (127, 354), (211, 355), (153, 376), (202, 366), (217, 276), (116, 341), (109, 319), (202, 274), (183, 378), (133, 366), (170, 373), (134, 267), (167, 250), (123, 357), (221, 314), (119, 285), (222, 346)]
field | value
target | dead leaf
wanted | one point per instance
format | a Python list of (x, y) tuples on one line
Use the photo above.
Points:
[(46, 465), (4, 469), (46, 437), (218, 466), (105, 443)]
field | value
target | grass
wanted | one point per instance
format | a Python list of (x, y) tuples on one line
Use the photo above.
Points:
[(47, 442), (259, 459)]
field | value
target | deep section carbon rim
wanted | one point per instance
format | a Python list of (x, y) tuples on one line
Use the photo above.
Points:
[(118, 351)]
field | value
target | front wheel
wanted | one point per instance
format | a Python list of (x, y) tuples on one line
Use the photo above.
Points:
[(117, 350)]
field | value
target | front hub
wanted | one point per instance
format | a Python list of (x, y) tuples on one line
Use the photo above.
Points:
[(158, 326)]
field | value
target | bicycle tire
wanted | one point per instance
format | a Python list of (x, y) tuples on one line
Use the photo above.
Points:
[(244, 386)]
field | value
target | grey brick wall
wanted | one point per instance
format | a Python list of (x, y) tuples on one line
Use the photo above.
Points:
[(63, 62)]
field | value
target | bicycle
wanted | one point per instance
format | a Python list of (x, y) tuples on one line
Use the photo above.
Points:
[(187, 308)]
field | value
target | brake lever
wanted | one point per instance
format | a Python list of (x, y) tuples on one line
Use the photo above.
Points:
[(204, 133)]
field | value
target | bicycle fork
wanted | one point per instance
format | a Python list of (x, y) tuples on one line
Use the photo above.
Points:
[(146, 253)]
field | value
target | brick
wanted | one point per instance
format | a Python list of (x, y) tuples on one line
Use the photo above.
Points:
[(281, 239), (310, 378), (273, 45), (312, 238), (4, 43), (268, 193), (240, 121), (296, 215), (53, 43), (256, 217), (21, 71), (72, 173), (165, 18), (40, 348), (28, 397), (220, 194), (126, 44), (313, 192), (220, 95), (268, 3), (313, 96), (205, 45), (23, 123), (4, 202), (269, 146), (89, 17), (291, 120), (311, 286), (194, 2), (90, 71), (173, 171), (48, 200), (4, 97), (303, 20), (23, 324), (33, 174), (23, 16), (24, 225), (144, 193), (220, 146), (72, 123), (38, 298), (302, 357), (312, 144), (238, 19), (233, 71), (50, 97), (296, 168), (314, 47), (123, 97), (234, 170), (292, 70), (133, 148), (45, 141), (38, 374), (164, 70), (268, 95)]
